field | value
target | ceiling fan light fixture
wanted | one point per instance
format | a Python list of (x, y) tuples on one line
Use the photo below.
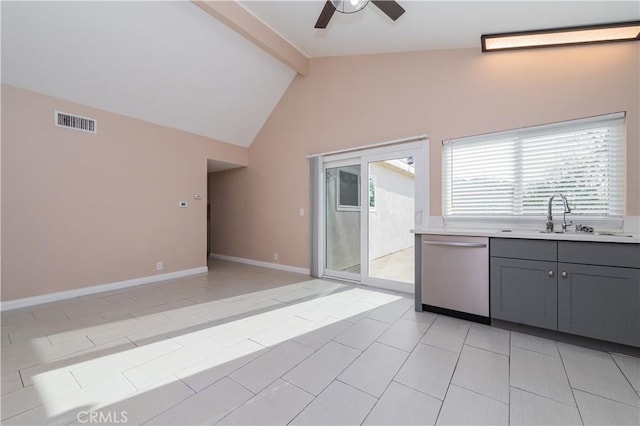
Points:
[(590, 34), (391, 8), (349, 6)]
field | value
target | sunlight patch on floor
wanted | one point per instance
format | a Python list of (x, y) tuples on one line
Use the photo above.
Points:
[(267, 318)]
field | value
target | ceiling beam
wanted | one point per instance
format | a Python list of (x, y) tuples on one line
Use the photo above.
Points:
[(236, 17)]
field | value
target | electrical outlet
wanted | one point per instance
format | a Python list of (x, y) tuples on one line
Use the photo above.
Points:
[(159, 266), (275, 256)]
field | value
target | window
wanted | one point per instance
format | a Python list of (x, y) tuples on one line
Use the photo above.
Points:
[(349, 190), (508, 177)]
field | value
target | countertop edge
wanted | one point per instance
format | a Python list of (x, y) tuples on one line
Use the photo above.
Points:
[(526, 234)]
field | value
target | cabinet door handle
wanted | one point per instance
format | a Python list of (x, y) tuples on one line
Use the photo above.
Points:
[(551, 273), (564, 274), (454, 244)]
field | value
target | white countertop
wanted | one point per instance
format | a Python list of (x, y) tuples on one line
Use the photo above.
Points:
[(529, 234)]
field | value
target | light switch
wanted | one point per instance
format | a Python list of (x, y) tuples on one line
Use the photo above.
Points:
[(301, 212)]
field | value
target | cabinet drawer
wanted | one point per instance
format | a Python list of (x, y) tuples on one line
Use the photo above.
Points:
[(605, 254), (524, 249)]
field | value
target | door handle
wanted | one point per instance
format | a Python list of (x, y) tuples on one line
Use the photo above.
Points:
[(454, 244)]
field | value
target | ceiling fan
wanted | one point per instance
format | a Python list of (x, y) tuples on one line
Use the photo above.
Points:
[(391, 8)]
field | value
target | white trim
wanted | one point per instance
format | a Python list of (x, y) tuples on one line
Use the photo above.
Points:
[(70, 294), (278, 266), (418, 138), (355, 157)]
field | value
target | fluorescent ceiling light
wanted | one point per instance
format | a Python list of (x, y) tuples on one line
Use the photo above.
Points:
[(620, 31)]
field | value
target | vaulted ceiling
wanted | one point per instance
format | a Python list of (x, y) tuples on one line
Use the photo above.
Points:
[(173, 64), (169, 63), (427, 25)]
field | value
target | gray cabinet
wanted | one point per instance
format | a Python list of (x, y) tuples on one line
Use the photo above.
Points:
[(523, 285), (584, 288), (524, 291), (599, 291)]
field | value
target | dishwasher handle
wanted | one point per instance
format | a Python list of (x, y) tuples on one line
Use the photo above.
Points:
[(455, 244)]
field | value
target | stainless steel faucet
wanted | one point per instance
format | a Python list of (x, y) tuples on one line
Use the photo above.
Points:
[(567, 209)]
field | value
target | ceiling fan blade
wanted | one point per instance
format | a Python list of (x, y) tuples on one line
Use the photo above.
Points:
[(325, 16), (391, 8)]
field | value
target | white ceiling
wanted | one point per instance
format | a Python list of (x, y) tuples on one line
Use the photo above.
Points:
[(428, 24), (169, 63), (172, 64)]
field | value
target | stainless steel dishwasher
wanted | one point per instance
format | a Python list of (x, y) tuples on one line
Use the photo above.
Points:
[(455, 276)]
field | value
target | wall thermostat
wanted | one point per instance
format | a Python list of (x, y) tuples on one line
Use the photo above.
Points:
[(182, 204)]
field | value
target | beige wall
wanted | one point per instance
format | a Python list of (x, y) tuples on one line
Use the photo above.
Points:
[(359, 100), (81, 209)]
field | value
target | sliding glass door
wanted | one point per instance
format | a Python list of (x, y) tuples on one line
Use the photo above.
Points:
[(342, 252), (369, 205), (392, 211)]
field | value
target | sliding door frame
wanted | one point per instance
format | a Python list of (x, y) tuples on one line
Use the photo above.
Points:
[(342, 161), (418, 212), (420, 150)]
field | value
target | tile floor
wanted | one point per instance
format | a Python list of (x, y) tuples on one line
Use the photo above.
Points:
[(245, 345), (397, 266)]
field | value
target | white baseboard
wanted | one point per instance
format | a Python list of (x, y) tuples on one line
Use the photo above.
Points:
[(84, 291), (304, 271)]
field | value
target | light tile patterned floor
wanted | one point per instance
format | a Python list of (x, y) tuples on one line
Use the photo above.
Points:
[(246, 345)]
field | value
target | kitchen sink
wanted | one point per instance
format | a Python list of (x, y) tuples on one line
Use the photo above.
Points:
[(613, 234), (603, 233), (610, 234)]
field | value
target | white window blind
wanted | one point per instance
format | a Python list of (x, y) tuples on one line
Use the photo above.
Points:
[(508, 177)]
